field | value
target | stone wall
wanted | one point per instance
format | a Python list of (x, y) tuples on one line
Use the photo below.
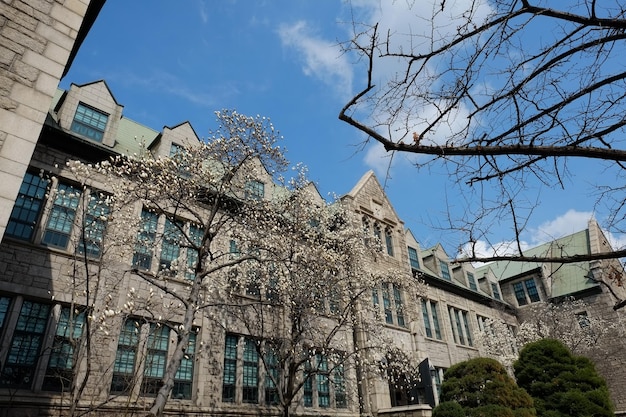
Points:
[(37, 38)]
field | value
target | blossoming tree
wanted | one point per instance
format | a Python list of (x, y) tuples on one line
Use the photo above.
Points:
[(282, 266)]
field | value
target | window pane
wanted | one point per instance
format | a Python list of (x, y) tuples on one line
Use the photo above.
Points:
[(250, 372), (26, 345), (520, 294), (445, 271), (435, 316), (413, 258), (389, 242), (323, 382), (307, 394), (156, 359), (4, 308), (472, 281), (95, 222), (457, 318), (62, 216), (425, 316), (340, 387), (89, 122), (230, 369), (467, 328), (397, 296), (27, 208), (142, 257), (60, 371), (255, 190), (532, 290), (124, 366), (387, 304), (195, 235), (272, 375), (496, 291), (170, 249)]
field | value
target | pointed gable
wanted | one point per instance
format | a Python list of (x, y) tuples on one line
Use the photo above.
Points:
[(181, 135), (91, 112), (368, 197)]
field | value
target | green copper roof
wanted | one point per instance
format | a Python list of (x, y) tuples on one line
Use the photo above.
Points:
[(564, 279), (132, 137)]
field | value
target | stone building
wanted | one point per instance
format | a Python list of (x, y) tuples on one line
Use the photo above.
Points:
[(37, 287), (38, 41), (525, 284)]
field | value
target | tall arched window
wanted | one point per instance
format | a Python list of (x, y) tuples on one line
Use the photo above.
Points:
[(389, 241)]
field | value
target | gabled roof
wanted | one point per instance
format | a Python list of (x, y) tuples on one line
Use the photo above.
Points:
[(563, 279), (410, 238), (133, 138), (98, 82), (369, 179)]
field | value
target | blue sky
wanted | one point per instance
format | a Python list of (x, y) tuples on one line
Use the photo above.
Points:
[(171, 61)]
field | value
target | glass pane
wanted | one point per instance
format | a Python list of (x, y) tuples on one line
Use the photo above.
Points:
[(27, 208)]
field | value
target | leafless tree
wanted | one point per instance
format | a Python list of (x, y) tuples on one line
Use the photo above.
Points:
[(505, 94)]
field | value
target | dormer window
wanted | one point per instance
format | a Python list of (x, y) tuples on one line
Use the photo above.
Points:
[(175, 149), (255, 190), (413, 258), (472, 281), (89, 122), (496, 291), (445, 271)]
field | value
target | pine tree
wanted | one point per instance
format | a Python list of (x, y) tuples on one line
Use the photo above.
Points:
[(560, 383)]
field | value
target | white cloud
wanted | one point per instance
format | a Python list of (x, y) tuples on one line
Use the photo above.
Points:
[(203, 10), (409, 22), (166, 82), (413, 26), (570, 222), (377, 158), (320, 58)]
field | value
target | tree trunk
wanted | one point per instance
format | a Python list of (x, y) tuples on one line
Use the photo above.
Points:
[(183, 340)]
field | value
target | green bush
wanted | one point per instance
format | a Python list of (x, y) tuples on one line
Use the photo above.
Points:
[(448, 409), (481, 387), (560, 383)]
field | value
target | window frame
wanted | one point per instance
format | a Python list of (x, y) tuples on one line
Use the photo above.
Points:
[(31, 193), (471, 279), (461, 329), (254, 190), (413, 257), (445, 270), (526, 292), (392, 307), (28, 340), (62, 360), (89, 122), (430, 316)]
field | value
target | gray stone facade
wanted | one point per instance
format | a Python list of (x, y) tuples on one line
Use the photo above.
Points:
[(37, 40)]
